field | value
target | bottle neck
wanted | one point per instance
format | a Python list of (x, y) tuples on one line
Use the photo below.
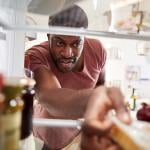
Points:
[(133, 91), (28, 97)]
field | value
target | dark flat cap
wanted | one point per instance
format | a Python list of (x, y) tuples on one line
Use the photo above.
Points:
[(71, 17)]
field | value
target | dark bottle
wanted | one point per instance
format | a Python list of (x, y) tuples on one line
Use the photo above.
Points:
[(2, 97), (27, 96), (143, 113)]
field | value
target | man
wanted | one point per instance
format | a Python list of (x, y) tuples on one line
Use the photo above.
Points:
[(67, 71)]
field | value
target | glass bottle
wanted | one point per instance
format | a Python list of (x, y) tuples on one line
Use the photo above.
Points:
[(133, 100), (28, 93), (2, 98)]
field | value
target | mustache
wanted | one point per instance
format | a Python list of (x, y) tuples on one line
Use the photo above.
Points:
[(70, 59)]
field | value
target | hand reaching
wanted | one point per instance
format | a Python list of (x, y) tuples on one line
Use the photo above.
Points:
[(97, 125)]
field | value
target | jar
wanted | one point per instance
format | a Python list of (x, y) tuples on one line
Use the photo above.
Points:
[(10, 116)]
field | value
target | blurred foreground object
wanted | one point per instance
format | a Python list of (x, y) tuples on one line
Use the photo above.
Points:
[(11, 107), (131, 137)]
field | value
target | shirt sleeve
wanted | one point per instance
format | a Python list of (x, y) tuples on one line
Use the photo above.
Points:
[(34, 59), (103, 56), (102, 61), (99, 53)]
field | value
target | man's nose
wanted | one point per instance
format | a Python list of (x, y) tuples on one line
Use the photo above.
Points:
[(67, 52)]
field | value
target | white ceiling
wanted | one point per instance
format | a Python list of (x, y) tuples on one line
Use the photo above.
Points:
[(95, 10)]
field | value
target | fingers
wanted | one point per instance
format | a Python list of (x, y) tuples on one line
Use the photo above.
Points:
[(117, 99), (97, 109), (92, 127), (96, 126), (98, 143), (98, 105), (105, 99), (89, 143)]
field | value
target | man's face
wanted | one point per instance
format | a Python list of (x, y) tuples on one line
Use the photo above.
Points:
[(66, 51)]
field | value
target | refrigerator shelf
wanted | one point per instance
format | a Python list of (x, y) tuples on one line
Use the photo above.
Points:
[(59, 123), (74, 31), (2, 36)]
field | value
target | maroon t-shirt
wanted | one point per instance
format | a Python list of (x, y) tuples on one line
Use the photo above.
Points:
[(94, 61)]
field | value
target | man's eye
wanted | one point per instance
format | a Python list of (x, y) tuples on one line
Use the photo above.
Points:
[(76, 45), (59, 43)]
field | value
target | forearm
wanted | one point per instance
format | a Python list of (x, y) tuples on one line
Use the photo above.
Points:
[(65, 103)]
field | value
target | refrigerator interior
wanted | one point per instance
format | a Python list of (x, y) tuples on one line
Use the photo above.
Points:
[(117, 23)]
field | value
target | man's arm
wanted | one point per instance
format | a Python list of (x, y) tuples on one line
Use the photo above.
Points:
[(60, 102)]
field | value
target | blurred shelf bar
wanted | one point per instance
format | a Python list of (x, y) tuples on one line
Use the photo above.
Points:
[(59, 123), (2, 36), (75, 31)]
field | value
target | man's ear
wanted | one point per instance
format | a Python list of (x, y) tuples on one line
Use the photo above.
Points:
[(48, 36)]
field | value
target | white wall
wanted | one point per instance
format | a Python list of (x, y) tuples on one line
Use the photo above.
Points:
[(115, 69)]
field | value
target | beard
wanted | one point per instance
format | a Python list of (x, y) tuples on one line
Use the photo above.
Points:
[(66, 64)]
